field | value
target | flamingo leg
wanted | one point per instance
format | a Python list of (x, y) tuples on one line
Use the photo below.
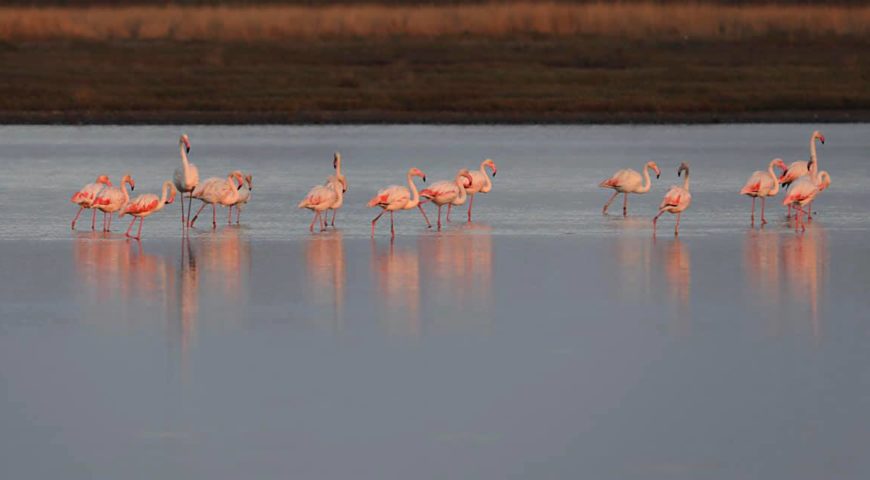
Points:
[(213, 216), (376, 221), (238, 214), (323, 219), (110, 222), (139, 232), (183, 223), (190, 206), (429, 225), (607, 205), (449, 206), (94, 220), (334, 213), (625, 205), (752, 217), (230, 215), (763, 220), (392, 227), (77, 217), (809, 211), (656, 219), (197, 213), (677, 226), (127, 233), (439, 217), (311, 227), (470, 204)]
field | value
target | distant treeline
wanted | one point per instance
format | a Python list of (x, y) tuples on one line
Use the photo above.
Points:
[(127, 3)]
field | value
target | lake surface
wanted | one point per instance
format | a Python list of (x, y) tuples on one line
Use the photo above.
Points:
[(544, 340)]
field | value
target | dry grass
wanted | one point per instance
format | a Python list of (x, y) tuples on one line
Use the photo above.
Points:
[(276, 23)]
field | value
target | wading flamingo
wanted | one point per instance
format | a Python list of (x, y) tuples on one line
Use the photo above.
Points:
[(336, 164), (144, 205), (321, 198), (763, 184), (627, 181), (803, 191), (801, 168), (214, 191), (397, 197), (446, 192), (244, 197), (676, 200), (85, 197), (186, 177), (480, 183), (112, 199)]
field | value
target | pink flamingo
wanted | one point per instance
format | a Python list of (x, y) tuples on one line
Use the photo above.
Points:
[(186, 177), (763, 184), (85, 197), (803, 191), (676, 200), (214, 191), (447, 192), (336, 164), (321, 198), (480, 183), (397, 197), (801, 168), (244, 197), (112, 199), (627, 181), (144, 205)]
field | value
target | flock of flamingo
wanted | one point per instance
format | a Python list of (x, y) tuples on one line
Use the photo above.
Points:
[(803, 180)]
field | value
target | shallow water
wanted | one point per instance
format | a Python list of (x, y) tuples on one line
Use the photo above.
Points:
[(542, 341)]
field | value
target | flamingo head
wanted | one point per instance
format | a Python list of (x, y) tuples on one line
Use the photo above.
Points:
[(778, 162), (416, 172), (655, 168), (489, 163), (171, 194), (128, 179), (466, 176), (184, 140), (817, 134), (249, 179), (336, 160), (104, 179), (824, 180), (238, 177), (683, 168), (343, 183)]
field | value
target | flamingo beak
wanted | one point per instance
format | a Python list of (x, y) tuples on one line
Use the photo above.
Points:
[(424, 178), (494, 171)]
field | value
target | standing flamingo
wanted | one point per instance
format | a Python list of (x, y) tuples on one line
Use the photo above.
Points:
[(215, 191), (186, 177), (336, 164), (321, 198), (112, 199), (627, 181), (397, 197), (447, 192), (676, 200), (801, 168), (480, 183), (803, 191), (763, 184), (244, 197), (85, 197), (144, 205)]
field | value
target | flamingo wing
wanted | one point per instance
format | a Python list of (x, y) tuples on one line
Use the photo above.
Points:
[(143, 204)]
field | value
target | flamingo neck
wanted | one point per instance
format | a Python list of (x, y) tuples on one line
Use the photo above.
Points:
[(338, 167), (462, 193), (336, 185), (184, 161), (814, 162), (686, 181), (487, 182), (647, 183), (166, 186), (415, 195), (772, 174)]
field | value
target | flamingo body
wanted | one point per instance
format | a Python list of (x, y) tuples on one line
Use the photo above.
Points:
[(217, 191), (397, 197), (627, 181), (112, 199), (676, 200), (321, 198), (145, 205), (480, 183), (86, 196)]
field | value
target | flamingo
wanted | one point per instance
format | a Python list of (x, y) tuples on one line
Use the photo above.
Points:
[(85, 197), (801, 168), (215, 191), (186, 177), (480, 183), (321, 198), (144, 205), (627, 181), (397, 197), (763, 184), (244, 197), (336, 164), (112, 199), (676, 200), (447, 192), (803, 191)]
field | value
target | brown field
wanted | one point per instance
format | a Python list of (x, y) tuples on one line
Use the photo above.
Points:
[(498, 20)]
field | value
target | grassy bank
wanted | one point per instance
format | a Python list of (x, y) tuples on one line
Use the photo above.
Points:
[(532, 63)]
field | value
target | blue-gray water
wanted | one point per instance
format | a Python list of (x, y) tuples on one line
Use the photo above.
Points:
[(542, 341)]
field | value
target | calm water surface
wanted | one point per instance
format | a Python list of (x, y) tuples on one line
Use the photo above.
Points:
[(542, 341)]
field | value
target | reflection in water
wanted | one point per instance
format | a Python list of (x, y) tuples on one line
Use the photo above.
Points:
[(804, 260), (324, 255), (673, 263), (761, 265), (397, 277), (634, 258)]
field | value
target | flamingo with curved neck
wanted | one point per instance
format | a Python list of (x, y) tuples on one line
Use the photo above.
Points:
[(336, 164), (185, 178), (145, 205), (216, 191), (480, 183), (627, 181), (676, 200), (803, 192), (448, 192), (397, 197), (112, 199), (763, 184), (321, 198)]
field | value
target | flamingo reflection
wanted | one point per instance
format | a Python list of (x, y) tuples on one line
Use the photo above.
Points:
[(761, 265), (676, 261), (324, 255), (804, 259), (396, 274), (633, 252)]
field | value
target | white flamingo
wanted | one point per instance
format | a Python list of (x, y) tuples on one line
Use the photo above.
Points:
[(186, 177), (763, 184), (803, 191), (676, 200), (85, 197), (480, 183), (801, 168), (446, 192), (321, 198), (627, 181), (144, 205), (112, 199), (336, 164), (244, 198), (214, 191), (397, 197)]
